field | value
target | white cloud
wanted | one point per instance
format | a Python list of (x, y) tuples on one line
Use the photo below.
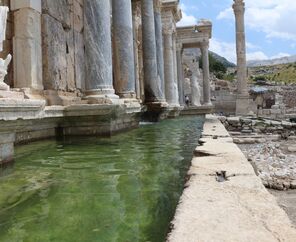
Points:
[(224, 49), (275, 18), (186, 19), (228, 50), (279, 55), (257, 55)]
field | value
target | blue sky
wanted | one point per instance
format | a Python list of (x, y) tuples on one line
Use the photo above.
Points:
[(270, 26)]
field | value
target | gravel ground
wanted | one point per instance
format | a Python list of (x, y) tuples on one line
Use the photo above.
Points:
[(274, 162)]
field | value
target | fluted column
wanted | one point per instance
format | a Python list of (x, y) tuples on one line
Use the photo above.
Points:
[(239, 10), (124, 60), (98, 52), (206, 73), (152, 83), (159, 41), (180, 74)]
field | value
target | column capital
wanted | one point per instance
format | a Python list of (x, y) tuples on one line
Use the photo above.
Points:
[(179, 46), (238, 6), (157, 5), (204, 44)]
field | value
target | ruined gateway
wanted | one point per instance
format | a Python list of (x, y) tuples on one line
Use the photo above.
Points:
[(93, 67)]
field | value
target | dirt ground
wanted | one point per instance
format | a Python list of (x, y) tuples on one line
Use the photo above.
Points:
[(287, 200)]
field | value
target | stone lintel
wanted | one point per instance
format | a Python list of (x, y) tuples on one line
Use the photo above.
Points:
[(33, 4)]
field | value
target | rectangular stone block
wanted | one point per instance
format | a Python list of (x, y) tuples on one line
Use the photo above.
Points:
[(54, 54), (33, 4), (60, 10), (6, 146)]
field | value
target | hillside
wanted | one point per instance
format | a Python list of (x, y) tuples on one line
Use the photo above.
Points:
[(277, 61), (276, 73), (223, 60)]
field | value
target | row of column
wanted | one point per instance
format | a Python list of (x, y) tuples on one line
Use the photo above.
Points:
[(162, 57)]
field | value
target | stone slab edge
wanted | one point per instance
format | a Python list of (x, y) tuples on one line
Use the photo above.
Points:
[(240, 209)]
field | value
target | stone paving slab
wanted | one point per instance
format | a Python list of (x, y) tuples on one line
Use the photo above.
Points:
[(239, 209)]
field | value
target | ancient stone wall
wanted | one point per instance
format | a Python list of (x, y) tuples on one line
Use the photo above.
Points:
[(7, 45), (289, 97), (63, 45)]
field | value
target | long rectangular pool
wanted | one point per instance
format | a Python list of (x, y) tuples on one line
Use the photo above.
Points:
[(125, 188)]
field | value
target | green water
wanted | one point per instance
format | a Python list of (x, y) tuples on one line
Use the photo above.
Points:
[(123, 188)]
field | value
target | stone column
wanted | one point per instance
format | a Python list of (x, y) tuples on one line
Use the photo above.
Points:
[(159, 42), (239, 10), (169, 73), (176, 85), (27, 53), (153, 91), (124, 60), (206, 73), (180, 73), (135, 13), (98, 52)]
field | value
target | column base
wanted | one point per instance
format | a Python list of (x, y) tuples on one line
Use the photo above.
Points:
[(58, 98), (245, 105), (156, 111), (6, 147)]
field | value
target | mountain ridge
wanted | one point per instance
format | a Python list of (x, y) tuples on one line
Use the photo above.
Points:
[(271, 62)]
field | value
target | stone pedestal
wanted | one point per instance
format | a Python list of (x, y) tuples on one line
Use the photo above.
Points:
[(6, 147), (245, 105), (27, 44), (152, 82), (206, 73), (123, 49), (98, 52)]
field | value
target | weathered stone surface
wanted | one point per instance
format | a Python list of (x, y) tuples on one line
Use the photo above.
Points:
[(59, 10), (27, 49), (78, 19), (79, 60), (54, 54)]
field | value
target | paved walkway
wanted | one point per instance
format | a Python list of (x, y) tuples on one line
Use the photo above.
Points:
[(239, 209)]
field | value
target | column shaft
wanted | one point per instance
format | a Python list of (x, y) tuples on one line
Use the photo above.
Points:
[(159, 42), (98, 52), (124, 61), (27, 51), (239, 10), (180, 74), (206, 74), (169, 67), (153, 91), (176, 89)]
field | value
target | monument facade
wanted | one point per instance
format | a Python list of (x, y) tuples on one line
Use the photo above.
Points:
[(87, 67)]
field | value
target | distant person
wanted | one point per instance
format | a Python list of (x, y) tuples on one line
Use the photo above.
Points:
[(187, 101)]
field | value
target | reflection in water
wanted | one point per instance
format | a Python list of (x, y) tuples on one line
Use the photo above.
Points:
[(123, 188)]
